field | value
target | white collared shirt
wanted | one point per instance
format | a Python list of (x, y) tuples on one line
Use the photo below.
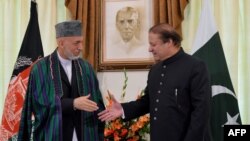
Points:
[(67, 66)]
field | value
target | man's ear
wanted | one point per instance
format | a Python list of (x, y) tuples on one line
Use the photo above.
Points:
[(170, 41), (166, 44), (60, 42)]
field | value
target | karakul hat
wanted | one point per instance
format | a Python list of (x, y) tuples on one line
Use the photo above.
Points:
[(69, 28)]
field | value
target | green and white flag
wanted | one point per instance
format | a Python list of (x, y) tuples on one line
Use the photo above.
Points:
[(207, 46)]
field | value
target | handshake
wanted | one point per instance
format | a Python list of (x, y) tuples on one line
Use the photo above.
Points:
[(113, 111)]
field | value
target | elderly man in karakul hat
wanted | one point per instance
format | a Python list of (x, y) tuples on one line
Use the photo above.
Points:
[(63, 95)]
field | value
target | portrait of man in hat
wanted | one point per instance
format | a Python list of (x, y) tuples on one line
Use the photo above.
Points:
[(63, 96)]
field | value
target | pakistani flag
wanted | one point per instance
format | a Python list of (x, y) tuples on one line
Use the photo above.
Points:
[(31, 50), (208, 47)]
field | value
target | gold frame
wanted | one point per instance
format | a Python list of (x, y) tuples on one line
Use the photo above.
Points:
[(134, 62)]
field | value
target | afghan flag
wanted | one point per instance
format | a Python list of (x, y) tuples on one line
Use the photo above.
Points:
[(31, 50), (208, 47)]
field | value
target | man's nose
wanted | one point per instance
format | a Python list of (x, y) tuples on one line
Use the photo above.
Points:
[(126, 24), (150, 49), (80, 47)]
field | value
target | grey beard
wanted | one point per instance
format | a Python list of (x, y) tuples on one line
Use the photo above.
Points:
[(73, 57), (70, 55)]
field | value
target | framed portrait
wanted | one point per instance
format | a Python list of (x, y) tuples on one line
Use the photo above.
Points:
[(124, 34)]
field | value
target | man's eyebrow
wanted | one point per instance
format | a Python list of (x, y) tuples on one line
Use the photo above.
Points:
[(77, 42)]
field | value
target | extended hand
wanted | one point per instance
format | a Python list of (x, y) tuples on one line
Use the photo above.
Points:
[(83, 103), (112, 112)]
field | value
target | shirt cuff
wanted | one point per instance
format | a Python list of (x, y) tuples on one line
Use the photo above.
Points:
[(123, 114)]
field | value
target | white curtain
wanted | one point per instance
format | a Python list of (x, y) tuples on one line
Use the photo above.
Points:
[(233, 23), (14, 18)]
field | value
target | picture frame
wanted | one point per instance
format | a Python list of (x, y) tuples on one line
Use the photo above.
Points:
[(124, 35)]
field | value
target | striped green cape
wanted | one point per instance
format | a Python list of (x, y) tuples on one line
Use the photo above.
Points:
[(42, 101)]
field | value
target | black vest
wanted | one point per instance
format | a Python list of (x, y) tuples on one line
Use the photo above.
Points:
[(70, 118)]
